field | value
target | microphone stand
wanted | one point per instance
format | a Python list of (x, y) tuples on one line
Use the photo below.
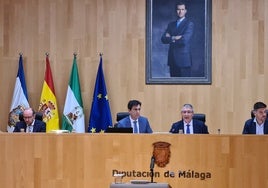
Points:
[(152, 169), (152, 175)]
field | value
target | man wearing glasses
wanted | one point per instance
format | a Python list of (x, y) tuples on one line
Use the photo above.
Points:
[(259, 123), (188, 125), (29, 123)]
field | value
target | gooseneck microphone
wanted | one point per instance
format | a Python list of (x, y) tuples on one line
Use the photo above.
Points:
[(152, 163), (152, 169)]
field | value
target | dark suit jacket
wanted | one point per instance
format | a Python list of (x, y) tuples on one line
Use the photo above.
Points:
[(199, 127), (250, 127), (179, 52), (39, 126), (144, 125)]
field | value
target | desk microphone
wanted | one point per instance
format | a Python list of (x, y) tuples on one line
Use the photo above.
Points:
[(152, 169), (152, 163)]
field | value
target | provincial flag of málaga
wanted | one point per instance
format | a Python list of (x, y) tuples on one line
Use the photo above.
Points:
[(48, 103), (73, 113), (100, 115), (20, 98)]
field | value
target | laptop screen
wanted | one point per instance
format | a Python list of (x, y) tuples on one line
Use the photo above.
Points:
[(119, 130)]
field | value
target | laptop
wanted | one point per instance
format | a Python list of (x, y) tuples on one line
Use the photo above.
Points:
[(119, 130)]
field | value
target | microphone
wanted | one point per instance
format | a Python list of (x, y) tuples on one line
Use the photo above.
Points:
[(152, 163), (152, 169)]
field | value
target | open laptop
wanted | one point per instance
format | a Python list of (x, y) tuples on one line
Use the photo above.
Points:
[(119, 130)]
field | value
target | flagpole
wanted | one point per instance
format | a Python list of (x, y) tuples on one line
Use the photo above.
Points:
[(75, 54), (47, 54), (101, 54), (20, 53)]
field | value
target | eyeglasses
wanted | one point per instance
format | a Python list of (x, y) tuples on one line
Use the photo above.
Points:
[(27, 117), (187, 111)]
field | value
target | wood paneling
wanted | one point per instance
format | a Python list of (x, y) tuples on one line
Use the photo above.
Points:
[(88, 160), (117, 28)]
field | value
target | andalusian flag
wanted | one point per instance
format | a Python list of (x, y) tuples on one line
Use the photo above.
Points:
[(48, 103), (20, 98), (73, 114), (100, 115)]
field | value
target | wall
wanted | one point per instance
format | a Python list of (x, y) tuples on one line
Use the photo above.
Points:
[(117, 28)]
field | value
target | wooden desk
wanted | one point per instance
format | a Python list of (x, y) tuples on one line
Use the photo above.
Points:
[(89, 160), (147, 185)]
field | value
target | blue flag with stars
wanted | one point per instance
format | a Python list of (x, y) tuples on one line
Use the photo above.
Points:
[(100, 116)]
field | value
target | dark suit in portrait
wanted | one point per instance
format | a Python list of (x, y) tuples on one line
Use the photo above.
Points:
[(179, 53), (38, 126), (250, 127), (144, 126), (199, 127)]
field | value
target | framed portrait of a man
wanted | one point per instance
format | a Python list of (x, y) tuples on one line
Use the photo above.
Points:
[(178, 41)]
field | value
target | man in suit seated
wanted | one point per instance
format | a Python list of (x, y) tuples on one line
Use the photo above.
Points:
[(29, 123), (139, 123), (259, 123), (188, 125)]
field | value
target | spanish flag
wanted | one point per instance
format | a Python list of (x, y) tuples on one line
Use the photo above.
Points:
[(48, 103)]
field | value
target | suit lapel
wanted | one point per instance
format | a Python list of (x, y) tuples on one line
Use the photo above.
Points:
[(128, 122), (181, 126), (140, 123), (265, 127), (182, 25)]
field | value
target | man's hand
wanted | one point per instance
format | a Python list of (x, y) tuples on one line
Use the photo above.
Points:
[(174, 38), (168, 35)]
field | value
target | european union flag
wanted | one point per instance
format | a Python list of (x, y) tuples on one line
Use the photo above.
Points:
[(100, 115)]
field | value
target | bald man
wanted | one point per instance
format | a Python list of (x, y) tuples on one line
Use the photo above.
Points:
[(29, 123)]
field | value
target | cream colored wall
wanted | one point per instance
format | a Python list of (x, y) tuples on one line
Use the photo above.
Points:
[(117, 28)]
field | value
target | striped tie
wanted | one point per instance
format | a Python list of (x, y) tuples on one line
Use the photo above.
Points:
[(30, 129)]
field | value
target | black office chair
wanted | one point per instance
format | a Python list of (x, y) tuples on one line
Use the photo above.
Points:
[(119, 116), (200, 117), (38, 116)]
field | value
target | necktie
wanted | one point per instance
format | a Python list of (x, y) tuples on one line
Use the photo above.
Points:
[(178, 23), (29, 129), (188, 129), (135, 127)]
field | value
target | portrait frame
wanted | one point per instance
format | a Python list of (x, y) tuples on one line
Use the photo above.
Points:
[(159, 14)]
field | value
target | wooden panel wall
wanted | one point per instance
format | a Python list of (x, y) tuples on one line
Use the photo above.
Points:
[(117, 28), (88, 160)]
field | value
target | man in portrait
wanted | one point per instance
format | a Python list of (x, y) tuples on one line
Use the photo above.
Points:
[(178, 36)]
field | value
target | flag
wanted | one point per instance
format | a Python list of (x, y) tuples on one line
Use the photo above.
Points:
[(73, 114), (100, 115), (20, 98), (48, 103)]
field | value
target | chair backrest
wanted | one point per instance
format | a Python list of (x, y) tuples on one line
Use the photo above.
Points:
[(38, 116), (200, 117), (121, 115)]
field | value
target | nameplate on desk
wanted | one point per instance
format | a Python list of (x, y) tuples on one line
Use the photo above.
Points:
[(139, 181)]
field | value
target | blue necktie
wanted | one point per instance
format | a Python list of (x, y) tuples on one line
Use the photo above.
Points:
[(135, 127), (188, 129), (178, 23)]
